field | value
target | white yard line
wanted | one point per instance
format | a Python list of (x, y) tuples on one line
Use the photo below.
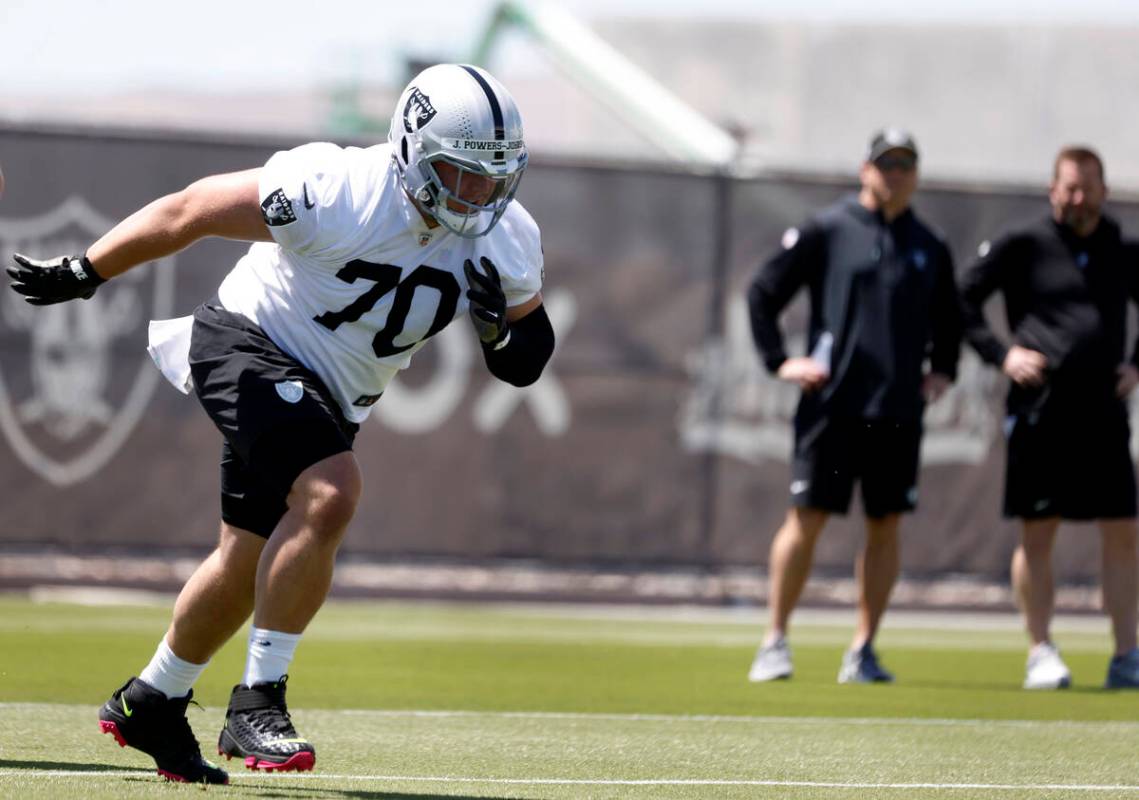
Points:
[(293, 776), (919, 722)]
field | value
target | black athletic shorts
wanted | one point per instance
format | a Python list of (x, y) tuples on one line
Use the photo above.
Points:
[(277, 416), (1072, 462), (832, 454)]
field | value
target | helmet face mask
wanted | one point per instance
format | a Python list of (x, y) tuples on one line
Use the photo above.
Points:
[(456, 138), (457, 207)]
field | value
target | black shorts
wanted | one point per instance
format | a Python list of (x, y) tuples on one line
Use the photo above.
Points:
[(1073, 463), (832, 454), (277, 417)]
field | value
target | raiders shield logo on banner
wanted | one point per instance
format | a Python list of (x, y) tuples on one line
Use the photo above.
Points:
[(75, 377)]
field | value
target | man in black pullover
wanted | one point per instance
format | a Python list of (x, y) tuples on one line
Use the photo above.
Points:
[(883, 306), (1066, 281)]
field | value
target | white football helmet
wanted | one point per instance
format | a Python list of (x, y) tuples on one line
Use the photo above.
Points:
[(461, 115)]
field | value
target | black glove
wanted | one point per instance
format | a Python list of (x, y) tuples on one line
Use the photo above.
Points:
[(488, 303), (60, 279)]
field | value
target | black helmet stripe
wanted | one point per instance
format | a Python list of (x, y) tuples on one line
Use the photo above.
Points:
[(495, 109)]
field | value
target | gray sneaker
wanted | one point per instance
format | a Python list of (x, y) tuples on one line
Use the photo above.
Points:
[(1123, 671), (771, 663), (861, 666)]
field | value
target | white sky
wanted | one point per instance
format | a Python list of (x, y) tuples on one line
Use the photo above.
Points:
[(67, 47)]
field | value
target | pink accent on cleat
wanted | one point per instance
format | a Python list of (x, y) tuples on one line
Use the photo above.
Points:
[(300, 762), (110, 727)]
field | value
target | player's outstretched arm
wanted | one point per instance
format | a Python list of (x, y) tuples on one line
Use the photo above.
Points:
[(220, 205), (517, 341)]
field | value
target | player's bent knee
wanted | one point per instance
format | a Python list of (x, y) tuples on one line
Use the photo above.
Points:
[(234, 537), (335, 507), (329, 491), (237, 550)]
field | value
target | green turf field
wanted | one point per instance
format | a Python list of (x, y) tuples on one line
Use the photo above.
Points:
[(428, 700)]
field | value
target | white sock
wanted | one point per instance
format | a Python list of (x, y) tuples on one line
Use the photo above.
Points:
[(169, 674), (269, 655)]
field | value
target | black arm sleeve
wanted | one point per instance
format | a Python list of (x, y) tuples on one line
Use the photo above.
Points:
[(531, 343), (987, 274), (945, 347), (774, 285)]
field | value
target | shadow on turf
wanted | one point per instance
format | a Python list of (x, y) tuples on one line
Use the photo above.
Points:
[(261, 790), (1005, 686), (264, 790), (48, 766)]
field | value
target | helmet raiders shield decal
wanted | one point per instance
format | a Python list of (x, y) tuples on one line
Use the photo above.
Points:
[(418, 110)]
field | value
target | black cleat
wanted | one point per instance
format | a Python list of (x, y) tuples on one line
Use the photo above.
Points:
[(140, 716), (258, 729)]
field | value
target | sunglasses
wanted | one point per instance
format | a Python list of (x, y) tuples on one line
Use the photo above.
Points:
[(904, 163)]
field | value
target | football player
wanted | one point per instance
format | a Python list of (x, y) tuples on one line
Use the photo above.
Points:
[(360, 255)]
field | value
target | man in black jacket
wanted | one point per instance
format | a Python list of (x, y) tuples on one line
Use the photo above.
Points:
[(883, 306), (1066, 280)]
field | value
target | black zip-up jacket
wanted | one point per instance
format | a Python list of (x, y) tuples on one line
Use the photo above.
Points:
[(884, 291), (1066, 297)]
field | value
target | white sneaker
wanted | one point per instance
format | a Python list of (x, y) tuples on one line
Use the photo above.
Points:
[(772, 662), (1045, 668)]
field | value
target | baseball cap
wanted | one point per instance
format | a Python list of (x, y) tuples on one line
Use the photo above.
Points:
[(891, 139)]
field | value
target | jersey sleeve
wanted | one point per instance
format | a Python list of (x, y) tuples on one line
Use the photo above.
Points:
[(801, 255), (989, 272), (945, 316), (523, 266), (307, 200)]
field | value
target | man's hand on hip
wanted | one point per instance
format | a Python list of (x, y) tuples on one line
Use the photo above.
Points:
[(1026, 367), (54, 281), (804, 371), (934, 385)]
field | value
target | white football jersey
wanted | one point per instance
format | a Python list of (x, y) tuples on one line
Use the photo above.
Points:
[(356, 282)]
